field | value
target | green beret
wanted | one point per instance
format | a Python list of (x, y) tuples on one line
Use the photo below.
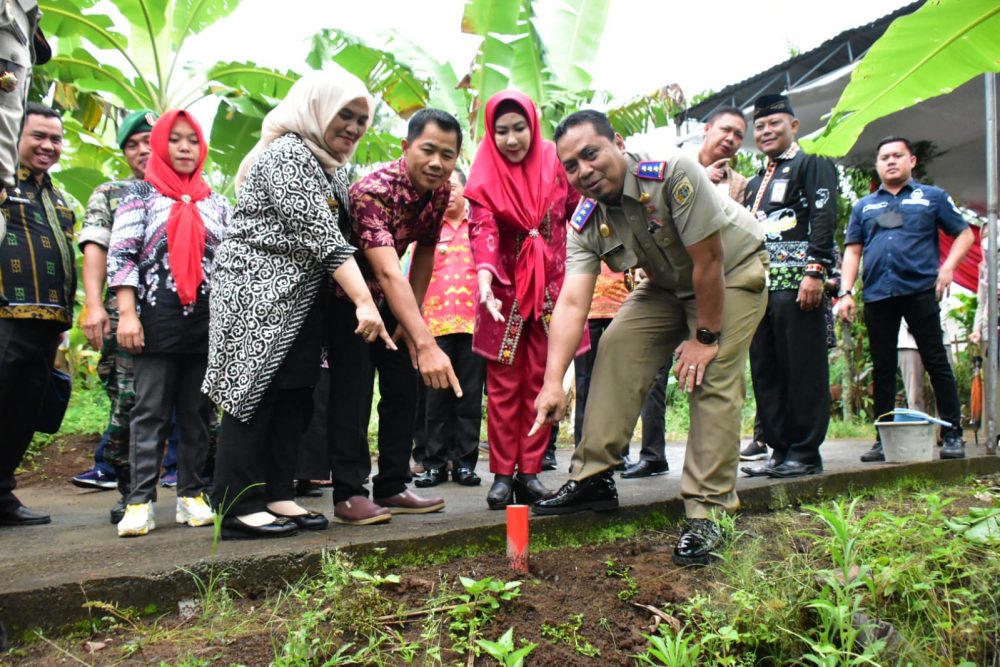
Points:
[(135, 123)]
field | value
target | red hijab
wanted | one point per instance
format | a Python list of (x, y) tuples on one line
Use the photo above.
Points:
[(518, 195), (185, 227)]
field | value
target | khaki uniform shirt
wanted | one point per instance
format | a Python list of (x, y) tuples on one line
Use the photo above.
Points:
[(665, 207), (18, 19)]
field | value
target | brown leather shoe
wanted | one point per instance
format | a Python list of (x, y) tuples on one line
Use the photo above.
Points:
[(359, 511), (408, 502)]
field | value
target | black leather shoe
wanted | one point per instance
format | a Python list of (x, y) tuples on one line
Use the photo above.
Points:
[(875, 454), (501, 493), (623, 466), (646, 469), (307, 521), (465, 476), (953, 447), (549, 461), (700, 538), (596, 493), (22, 516), (234, 529), (431, 477), (118, 511), (794, 469), (305, 488), (528, 489), (761, 470)]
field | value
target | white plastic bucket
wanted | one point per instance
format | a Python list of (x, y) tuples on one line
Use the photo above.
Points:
[(907, 441)]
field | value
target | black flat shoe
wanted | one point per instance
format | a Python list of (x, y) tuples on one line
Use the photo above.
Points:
[(307, 521), (22, 516), (466, 476), (875, 454), (501, 493), (234, 529), (528, 489), (431, 477), (789, 469), (645, 469), (597, 493), (700, 538)]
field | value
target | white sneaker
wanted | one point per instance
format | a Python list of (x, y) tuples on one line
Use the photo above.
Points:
[(138, 520), (194, 511)]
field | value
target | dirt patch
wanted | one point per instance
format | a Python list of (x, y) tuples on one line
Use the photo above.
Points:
[(59, 462)]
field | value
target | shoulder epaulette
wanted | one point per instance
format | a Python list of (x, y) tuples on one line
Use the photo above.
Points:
[(582, 214), (654, 171)]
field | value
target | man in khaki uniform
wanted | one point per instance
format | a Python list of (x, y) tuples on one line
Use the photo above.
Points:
[(18, 22), (702, 300)]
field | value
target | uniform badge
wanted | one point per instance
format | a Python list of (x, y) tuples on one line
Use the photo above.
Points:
[(604, 230), (683, 190), (786, 170), (643, 197), (8, 82), (582, 214), (654, 171)]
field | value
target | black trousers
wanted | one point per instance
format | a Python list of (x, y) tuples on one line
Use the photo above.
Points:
[(453, 423), (314, 455), (257, 460), (653, 408), (353, 364), (27, 353), (791, 378), (165, 383), (420, 433), (924, 321)]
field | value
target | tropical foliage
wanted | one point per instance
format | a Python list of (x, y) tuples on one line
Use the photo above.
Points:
[(120, 55), (927, 53)]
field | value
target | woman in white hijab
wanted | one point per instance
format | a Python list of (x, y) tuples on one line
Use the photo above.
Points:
[(286, 239)]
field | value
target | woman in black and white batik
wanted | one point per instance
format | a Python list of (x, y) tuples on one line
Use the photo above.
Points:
[(287, 237)]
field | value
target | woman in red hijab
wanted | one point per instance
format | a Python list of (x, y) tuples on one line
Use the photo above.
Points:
[(166, 230), (520, 203)]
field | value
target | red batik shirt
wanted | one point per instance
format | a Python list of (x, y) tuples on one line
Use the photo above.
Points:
[(450, 302), (610, 293), (388, 212)]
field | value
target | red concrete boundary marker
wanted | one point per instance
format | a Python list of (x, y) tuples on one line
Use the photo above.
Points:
[(518, 537)]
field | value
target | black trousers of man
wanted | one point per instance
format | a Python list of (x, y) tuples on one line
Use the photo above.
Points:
[(353, 364), (924, 320), (27, 353), (653, 407), (791, 378), (453, 423)]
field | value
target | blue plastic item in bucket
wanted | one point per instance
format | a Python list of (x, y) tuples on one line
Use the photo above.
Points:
[(907, 415), (909, 437)]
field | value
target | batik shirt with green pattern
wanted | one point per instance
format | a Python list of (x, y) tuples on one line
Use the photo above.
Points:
[(37, 264)]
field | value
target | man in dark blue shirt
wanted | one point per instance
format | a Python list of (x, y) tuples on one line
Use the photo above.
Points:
[(895, 229)]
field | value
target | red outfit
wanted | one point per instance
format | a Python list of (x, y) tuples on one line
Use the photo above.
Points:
[(185, 227), (450, 302), (517, 219)]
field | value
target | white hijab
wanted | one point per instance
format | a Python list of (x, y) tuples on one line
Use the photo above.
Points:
[(311, 103)]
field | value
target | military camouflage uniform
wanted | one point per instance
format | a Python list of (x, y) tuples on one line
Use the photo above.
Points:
[(115, 367)]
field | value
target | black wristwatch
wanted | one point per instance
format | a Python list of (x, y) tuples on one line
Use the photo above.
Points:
[(706, 337)]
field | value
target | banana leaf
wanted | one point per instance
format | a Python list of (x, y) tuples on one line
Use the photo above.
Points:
[(922, 55)]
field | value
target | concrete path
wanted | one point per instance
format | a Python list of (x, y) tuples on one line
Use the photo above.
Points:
[(80, 551)]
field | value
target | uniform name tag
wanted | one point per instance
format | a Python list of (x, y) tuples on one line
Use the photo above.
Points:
[(778, 191)]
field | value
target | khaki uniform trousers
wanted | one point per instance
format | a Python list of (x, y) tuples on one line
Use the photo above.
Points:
[(650, 325)]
